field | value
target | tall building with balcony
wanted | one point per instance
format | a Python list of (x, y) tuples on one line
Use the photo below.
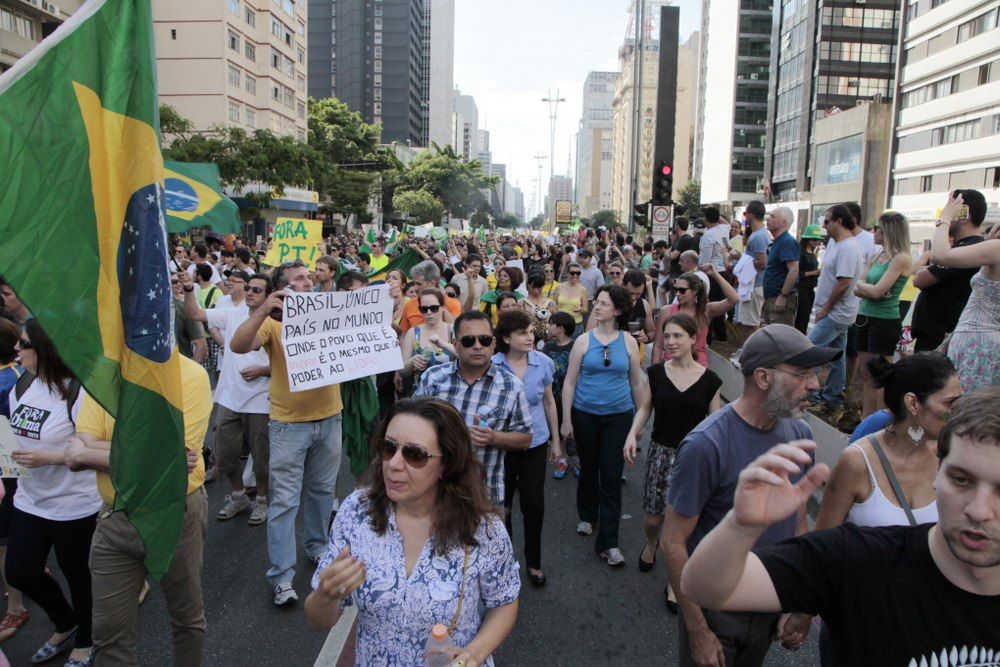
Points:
[(732, 100), (595, 143), (831, 56), (24, 23), (237, 63), (465, 138), (371, 56), (947, 123)]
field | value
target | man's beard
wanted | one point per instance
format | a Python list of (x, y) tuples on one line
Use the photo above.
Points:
[(778, 404)]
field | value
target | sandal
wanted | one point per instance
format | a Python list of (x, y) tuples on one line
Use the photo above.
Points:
[(537, 580), (12, 622)]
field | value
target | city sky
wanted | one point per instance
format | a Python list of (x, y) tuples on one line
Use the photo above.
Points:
[(508, 55)]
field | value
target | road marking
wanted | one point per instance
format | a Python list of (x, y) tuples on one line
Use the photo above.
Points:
[(335, 641)]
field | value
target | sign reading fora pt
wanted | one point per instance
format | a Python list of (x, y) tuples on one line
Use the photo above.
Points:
[(295, 239)]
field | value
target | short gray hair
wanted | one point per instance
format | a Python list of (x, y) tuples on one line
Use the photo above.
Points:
[(426, 271), (785, 214)]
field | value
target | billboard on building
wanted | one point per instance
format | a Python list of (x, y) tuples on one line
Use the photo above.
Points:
[(564, 212), (839, 161)]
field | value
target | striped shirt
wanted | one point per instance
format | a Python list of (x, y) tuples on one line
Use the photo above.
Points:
[(497, 398)]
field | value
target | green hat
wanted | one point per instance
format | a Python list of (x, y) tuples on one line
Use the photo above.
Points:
[(814, 232)]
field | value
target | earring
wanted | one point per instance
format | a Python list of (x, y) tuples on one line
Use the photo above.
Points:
[(916, 434)]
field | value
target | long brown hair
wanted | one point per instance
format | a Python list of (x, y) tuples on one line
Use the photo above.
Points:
[(700, 297), (462, 501), (51, 369)]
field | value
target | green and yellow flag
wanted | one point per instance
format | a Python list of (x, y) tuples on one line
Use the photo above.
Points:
[(84, 242), (195, 198)]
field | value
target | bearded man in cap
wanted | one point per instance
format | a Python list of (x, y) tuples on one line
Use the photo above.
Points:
[(778, 363)]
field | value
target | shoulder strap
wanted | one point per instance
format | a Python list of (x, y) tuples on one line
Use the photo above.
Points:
[(208, 297), (22, 384), (892, 480), (72, 393)]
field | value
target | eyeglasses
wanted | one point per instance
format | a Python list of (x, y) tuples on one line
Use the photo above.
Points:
[(469, 341), (682, 290), (428, 309), (804, 375), (575, 273), (549, 271), (25, 344), (175, 282), (414, 455), (607, 356), (256, 290), (615, 273)]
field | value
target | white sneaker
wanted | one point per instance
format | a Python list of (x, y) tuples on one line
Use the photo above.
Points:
[(584, 528), (613, 556), (734, 358), (258, 512), (284, 593), (234, 505)]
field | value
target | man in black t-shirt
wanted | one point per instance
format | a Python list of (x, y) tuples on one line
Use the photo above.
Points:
[(945, 291), (894, 596)]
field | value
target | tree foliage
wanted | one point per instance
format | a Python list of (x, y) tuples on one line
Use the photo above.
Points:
[(689, 200), (606, 218), (455, 183), (420, 204)]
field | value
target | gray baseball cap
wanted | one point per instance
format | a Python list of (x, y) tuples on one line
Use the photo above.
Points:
[(781, 344)]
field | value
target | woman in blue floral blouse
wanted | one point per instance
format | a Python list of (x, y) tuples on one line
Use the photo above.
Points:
[(421, 546)]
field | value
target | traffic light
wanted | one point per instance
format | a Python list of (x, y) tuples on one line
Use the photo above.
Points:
[(639, 216), (663, 184)]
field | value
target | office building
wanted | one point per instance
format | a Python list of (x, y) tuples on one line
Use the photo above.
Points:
[(832, 56), (560, 189), (370, 55), (24, 24), (517, 206), (499, 171), (466, 125), (947, 124), (234, 63), (686, 108), (595, 144), (732, 100), (437, 47)]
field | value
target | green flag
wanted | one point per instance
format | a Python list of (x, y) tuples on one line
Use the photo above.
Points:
[(82, 198), (195, 199), (402, 262)]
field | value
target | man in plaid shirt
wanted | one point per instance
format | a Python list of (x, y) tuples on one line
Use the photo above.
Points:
[(491, 400)]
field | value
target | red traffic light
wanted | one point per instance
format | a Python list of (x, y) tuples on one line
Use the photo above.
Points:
[(666, 170)]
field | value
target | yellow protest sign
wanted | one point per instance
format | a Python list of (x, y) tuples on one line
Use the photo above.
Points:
[(295, 239)]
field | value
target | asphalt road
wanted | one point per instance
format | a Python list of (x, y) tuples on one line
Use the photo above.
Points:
[(587, 614)]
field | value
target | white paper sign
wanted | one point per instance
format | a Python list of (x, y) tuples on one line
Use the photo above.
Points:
[(521, 289), (333, 337), (8, 445)]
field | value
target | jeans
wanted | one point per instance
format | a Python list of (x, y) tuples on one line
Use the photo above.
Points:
[(828, 333), (116, 565), (305, 456), (599, 442)]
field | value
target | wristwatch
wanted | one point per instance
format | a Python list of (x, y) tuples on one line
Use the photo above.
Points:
[(188, 289)]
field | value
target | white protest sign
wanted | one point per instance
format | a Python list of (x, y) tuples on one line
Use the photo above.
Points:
[(8, 445), (333, 337), (521, 289)]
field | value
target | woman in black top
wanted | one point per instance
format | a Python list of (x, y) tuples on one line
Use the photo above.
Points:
[(808, 275), (683, 393)]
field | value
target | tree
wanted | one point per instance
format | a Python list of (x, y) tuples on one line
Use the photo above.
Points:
[(456, 183), (689, 200), (420, 204), (512, 221), (606, 218)]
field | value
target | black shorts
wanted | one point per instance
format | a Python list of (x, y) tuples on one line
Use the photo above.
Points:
[(7, 508), (851, 349), (878, 336)]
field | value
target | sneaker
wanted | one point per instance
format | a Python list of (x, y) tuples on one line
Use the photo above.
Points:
[(584, 528), (613, 556), (560, 471), (258, 512), (211, 473), (284, 593), (234, 505), (734, 359)]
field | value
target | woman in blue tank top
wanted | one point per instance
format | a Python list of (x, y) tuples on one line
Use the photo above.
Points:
[(603, 384)]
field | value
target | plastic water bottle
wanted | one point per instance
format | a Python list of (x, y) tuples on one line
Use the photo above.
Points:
[(439, 648)]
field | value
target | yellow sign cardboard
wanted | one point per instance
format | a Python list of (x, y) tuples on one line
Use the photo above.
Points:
[(295, 239)]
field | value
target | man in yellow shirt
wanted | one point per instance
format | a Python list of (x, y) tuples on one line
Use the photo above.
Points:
[(379, 260), (305, 440), (117, 551)]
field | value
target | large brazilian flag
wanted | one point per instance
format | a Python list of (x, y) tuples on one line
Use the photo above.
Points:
[(84, 242)]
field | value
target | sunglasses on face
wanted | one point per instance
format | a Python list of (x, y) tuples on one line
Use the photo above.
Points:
[(575, 273), (682, 290), (469, 341), (25, 344), (415, 456), (428, 309), (255, 290), (175, 282)]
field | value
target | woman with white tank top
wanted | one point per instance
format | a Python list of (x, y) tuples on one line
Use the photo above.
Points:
[(887, 478)]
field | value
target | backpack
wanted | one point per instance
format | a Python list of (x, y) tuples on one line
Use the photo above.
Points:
[(27, 378)]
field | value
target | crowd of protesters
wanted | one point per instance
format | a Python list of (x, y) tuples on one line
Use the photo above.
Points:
[(526, 355)]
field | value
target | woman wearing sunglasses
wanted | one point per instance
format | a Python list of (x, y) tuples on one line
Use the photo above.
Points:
[(692, 300), (422, 545), (571, 296), (55, 507), (603, 384), (430, 343), (524, 470), (549, 271)]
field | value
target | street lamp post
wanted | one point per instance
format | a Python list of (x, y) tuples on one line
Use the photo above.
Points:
[(553, 103)]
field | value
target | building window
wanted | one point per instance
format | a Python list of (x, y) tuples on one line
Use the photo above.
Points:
[(173, 34), (377, 108), (301, 55), (995, 124), (300, 28), (378, 23), (378, 52), (378, 94), (250, 83), (288, 7), (275, 27), (977, 26), (926, 183), (288, 66), (234, 41), (300, 83), (251, 17), (234, 111), (289, 97), (234, 7), (275, 92), (251, 117), (378, 80), (234, 76), (378, 65), (300, 134), (378, 38), (300, 110), (250, 51), (275, 58)]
